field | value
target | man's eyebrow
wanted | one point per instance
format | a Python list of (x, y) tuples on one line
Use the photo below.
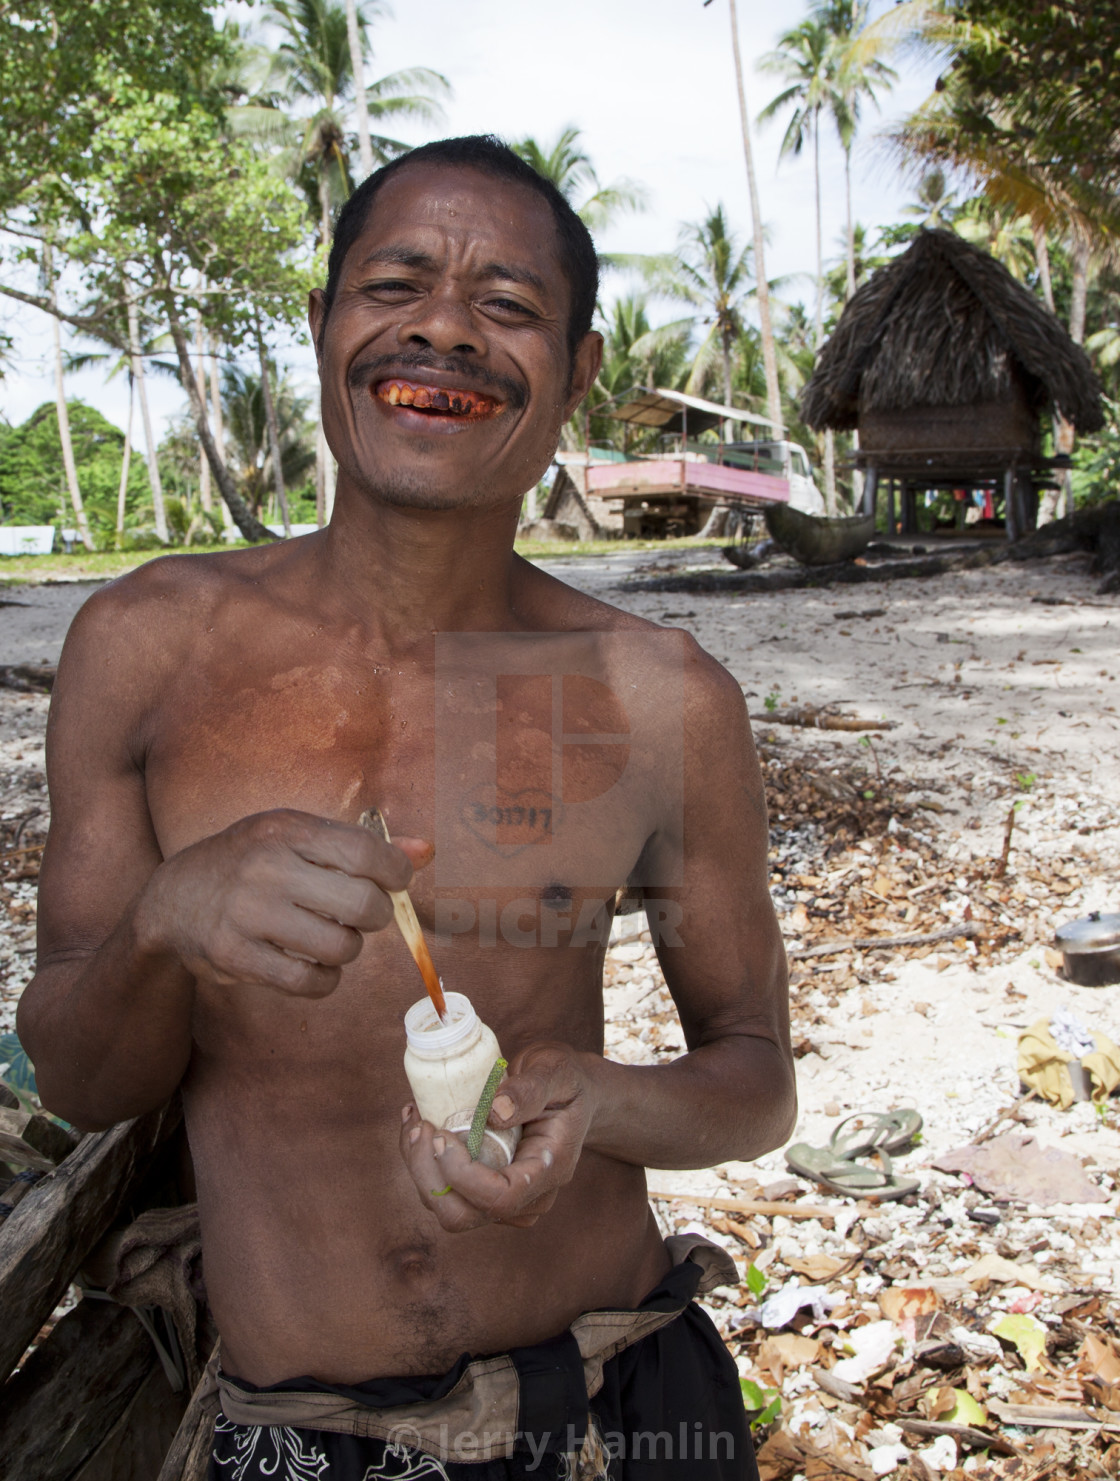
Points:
[(400, 257), (513, 274)]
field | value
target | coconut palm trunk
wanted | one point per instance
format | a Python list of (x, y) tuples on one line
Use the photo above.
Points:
[(273, 433), (126, 459), (818, 317), (159, 512), (246, 521), (766, 326), (365, 147), (70, 467)]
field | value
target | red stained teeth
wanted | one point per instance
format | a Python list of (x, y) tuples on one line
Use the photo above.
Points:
[(432, 398)]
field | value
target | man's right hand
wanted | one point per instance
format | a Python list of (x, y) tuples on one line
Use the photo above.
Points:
[(280, 899)]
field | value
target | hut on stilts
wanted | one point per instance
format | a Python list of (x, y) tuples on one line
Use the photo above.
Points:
[(944, 365)]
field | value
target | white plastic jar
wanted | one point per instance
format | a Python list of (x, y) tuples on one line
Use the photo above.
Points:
[(448, 1064)]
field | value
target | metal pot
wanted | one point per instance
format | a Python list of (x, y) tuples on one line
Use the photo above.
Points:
[(1090, 948)]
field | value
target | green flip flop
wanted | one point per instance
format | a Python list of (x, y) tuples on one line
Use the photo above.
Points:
[(847, 1177), (875, 1131)]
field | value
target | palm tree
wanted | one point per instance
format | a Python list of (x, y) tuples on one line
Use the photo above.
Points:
[(858, 72), (68, 463), (935, 202), (769, 351), (802, 59), (567, 164), (248, 436), (317, 71), (715, 275)]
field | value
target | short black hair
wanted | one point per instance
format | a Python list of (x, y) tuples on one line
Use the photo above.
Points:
[(490, 155)]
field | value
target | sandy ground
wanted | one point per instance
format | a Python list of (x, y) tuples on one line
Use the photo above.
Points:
[(1004, 687)]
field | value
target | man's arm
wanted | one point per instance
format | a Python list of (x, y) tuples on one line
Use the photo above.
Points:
[(733, 1094), (279, 899)]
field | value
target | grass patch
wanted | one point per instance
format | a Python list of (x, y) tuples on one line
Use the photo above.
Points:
[(104, 565)]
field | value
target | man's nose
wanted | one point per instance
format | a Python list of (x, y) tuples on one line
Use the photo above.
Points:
[(444, 321)]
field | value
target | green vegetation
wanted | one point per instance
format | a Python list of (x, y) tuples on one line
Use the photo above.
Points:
[(187, 239)]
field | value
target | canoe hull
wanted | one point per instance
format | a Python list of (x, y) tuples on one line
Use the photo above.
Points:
[(817, 540)]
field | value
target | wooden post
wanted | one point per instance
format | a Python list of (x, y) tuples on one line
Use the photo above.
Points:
[(892, 518), (870, 488), (1010, 513)]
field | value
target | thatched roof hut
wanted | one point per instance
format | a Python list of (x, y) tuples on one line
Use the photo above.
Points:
[(944, 327)]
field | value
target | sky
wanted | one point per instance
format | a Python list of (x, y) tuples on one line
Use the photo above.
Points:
[(651, 83)]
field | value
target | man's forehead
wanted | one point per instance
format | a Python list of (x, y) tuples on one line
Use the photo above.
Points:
[(424, 202)]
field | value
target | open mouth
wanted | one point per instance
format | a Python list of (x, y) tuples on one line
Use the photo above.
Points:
[(438, 400)]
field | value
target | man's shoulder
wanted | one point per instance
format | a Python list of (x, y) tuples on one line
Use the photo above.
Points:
[(148, 611)]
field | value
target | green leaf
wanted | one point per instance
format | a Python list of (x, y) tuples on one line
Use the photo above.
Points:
[(756, 1281), (763, 1404)]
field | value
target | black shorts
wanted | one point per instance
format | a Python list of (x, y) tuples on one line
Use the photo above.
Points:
[(670, 1409)]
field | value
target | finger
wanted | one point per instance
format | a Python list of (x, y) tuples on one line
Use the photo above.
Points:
[(418, 1139), (419, 850), (532, 1088), (506, 1195), (263, 965), (338, 896), (345, 846), (306, 934)]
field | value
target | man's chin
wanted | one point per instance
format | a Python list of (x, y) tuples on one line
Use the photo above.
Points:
[(402, 490)]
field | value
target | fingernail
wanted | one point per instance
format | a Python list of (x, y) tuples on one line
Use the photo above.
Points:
[(546, 1157), (438, 1145), (503, 1107), (414, 1136), (406, 1113)]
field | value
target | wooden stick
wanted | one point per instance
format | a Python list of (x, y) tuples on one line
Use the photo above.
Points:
[(884, 943), (819, 720), (769, 1207), (1001, 868), (405, 915)]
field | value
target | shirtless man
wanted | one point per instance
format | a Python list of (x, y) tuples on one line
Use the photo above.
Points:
[(212, 918)]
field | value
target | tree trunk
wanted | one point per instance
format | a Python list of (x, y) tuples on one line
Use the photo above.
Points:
[(219, 427), (829, 473), (204, 494), (365, 148), (126, 460), (851, 252), (158, 509), (1064, 436), (273, 432), (725, 347), (769, 354), (245, 520), (69, 466), (321, 455), (818, 318), (1042, 257)]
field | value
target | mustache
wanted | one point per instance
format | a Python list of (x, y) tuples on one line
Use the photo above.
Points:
[(477, 377)]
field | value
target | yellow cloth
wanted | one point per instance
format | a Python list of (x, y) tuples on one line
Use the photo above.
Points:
[(1043, 1066)]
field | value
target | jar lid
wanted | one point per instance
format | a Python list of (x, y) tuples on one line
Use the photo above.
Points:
[(428, 1036), (1092, 932)]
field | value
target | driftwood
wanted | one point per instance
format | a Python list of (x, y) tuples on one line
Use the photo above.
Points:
[(28, 678), (188, 1457), (766, 1206), (821, 720), (845, 573), (60, 1407), (887, 943), (46, 1238), (978, 1439), (32, 1141), (137, 1443)]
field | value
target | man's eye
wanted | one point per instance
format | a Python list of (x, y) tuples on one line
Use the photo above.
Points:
[(511, 306), (390, 285)]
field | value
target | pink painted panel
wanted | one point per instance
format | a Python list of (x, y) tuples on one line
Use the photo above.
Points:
[(701, 478)]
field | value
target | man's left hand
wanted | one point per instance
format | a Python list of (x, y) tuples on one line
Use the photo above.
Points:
[(548, 1093)]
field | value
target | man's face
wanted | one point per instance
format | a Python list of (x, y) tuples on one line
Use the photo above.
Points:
[(444, 362)]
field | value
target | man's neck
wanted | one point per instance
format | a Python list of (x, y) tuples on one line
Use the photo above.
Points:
[(404, 574)]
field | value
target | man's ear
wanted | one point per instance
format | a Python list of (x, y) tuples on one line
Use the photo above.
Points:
[(585, 367), (316, 316)]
